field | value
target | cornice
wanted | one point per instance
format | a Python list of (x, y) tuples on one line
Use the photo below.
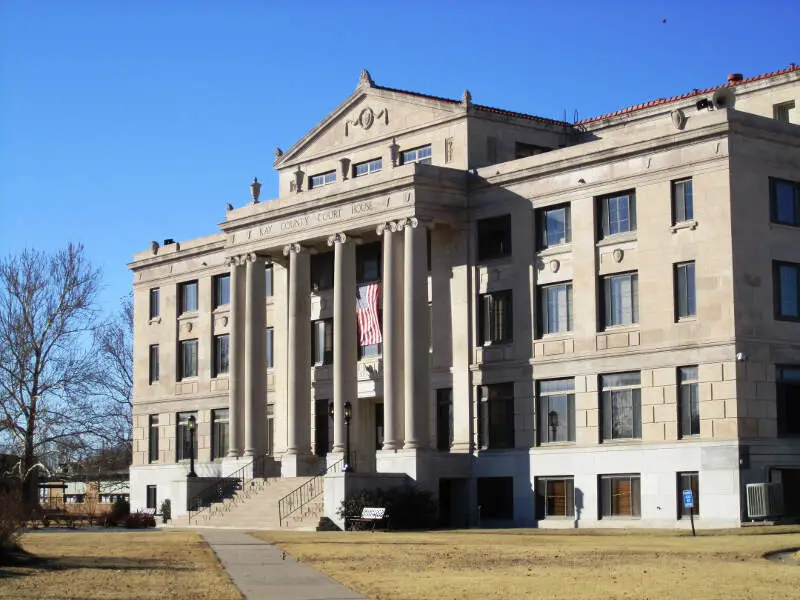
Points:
[(177, 256)]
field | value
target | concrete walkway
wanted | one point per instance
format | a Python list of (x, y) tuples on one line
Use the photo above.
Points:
[(260, 573)]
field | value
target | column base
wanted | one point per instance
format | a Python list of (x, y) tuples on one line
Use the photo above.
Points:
[(301, 465)]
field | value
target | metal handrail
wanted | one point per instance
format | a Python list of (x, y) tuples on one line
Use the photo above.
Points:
[(302, 495), (224, 487)]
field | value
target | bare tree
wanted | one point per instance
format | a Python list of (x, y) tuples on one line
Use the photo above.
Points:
[(47, 318)]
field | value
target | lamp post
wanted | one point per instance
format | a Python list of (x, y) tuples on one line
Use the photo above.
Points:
[(552, 419), (192, 426), (348, 414)]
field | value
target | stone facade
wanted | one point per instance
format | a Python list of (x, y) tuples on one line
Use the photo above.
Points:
[(425, 220)]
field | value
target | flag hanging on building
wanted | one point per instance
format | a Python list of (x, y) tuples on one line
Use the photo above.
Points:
[(368, 297)]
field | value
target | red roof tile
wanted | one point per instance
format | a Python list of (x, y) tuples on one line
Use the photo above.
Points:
[(695, 92), (439, 98)]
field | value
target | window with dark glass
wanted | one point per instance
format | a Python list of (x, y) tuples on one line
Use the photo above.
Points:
[(444, 419), (152, 499), (221, 354), (621, 405), (496, 497), (620, 496), (494, 237), (270, 350), (685, 302), (786, 284), (495, 322), (219, 433), (322, 342), (152, 430), (785, 112), (368, 262), (688, 481), (555, 497), (787, 387), (270, 432), (620, 299), (491, 150), (421, 155), (154, 363), (222, 290), (522, 150), (268, 275), (316, 181), (553, 226), (184, 438), (617, 213), (322, 271), (496, 416), (785, 201), (187, 292), (556, 409), (155, 303), (688, 402), (682, 201), (187, 357), (323, 421), (367, 167), (555, 308)]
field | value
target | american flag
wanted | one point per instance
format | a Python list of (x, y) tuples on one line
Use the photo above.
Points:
[(369, 327)]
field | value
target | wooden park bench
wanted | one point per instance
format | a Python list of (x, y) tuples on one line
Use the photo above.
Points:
[(370, 515)]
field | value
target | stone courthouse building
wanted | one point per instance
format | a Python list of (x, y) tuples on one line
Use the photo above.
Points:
[(559, 323)]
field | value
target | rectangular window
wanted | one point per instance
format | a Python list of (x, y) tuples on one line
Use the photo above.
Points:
[(219, 433), (786, 112), (553, 226), (787, 386), (368, 262), (187, 355), (491, 150), (155, 303), (268, 275), (496, 498), (188, 296), (322, 271), (444, 419), (323, 441), (682, 201), (495, 322), (184, 438), (688, 402), (555, 308), (496, 416), (270, 432), (521, 150), (494, 237), (367, 167), (152, 432), (556, 408), (688, 481), (316, 181), (617, 213), (786, 284), (685, 302), (421, 155), (620, 496), (221, 354), (152, 499), (784, 199), (270, 349), (621, 406), (620, 299), (222, 290), (555, 497), (154, 364), (322, 342)]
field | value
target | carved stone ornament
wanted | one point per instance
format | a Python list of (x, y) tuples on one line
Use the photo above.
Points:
[(448, 150), (366, 118), (678, 118), (365, 79), (394, 151), (278, 153), (154, 247), (255, 190), (344, 163), (292, 249), (340, 238), (555, 265), (189, 327), (224, 321), (618, 254), (298, 180)]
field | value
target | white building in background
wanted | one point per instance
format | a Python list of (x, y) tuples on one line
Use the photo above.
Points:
[(560, 323)]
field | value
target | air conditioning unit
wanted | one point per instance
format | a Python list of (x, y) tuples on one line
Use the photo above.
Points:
[(764, 500)]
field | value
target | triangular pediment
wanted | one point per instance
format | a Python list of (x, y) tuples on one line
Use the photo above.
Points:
[(370, 113)]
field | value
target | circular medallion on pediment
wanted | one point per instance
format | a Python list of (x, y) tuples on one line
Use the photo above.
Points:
[(366, 118)]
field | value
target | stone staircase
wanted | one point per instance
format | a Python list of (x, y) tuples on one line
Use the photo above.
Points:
[(255, 506)]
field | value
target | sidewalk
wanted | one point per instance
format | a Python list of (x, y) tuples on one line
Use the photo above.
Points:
[(260, 573)]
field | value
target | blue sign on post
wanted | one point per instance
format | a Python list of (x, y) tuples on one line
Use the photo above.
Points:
[(688, 499)]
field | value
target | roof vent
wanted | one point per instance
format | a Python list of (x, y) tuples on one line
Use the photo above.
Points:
[(734, 77), (168, 241)]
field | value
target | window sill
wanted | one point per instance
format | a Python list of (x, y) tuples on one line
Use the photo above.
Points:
[(620, 328), (556, 444), (555, 249), (620, 518), (188, 315), (503, 344), (555, 337), (190, 379), (785, 226), (220, 376), (222, 309), (558, 518), (691, 225), (617, 238), (154, 321), (691, 319), (691, 437), (620, 441)]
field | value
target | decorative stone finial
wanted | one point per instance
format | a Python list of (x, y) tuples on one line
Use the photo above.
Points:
[(255, 190), (278, 152), (298, 180), (366, 79), (154, 247), (466, 98), (228, 207), (394, 151)]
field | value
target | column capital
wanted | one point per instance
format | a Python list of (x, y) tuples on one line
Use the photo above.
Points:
[(252, 257), (410, 222), (236, 260), (293, 248), (390, 226)]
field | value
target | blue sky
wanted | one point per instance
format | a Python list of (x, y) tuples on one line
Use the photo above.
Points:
[(125, 122)]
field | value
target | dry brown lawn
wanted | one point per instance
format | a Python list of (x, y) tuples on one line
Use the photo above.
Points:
[(574, 565), (117, 564)]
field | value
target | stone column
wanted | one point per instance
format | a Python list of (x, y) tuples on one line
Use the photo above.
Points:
[(254, 354), (299, 355), (345, 349), (392, 333), (417, 344), (235, 362)]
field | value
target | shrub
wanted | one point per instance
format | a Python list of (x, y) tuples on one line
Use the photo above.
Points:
[(408, 506), (139, 520), (11, 521), (119, 510), (166, 510)]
